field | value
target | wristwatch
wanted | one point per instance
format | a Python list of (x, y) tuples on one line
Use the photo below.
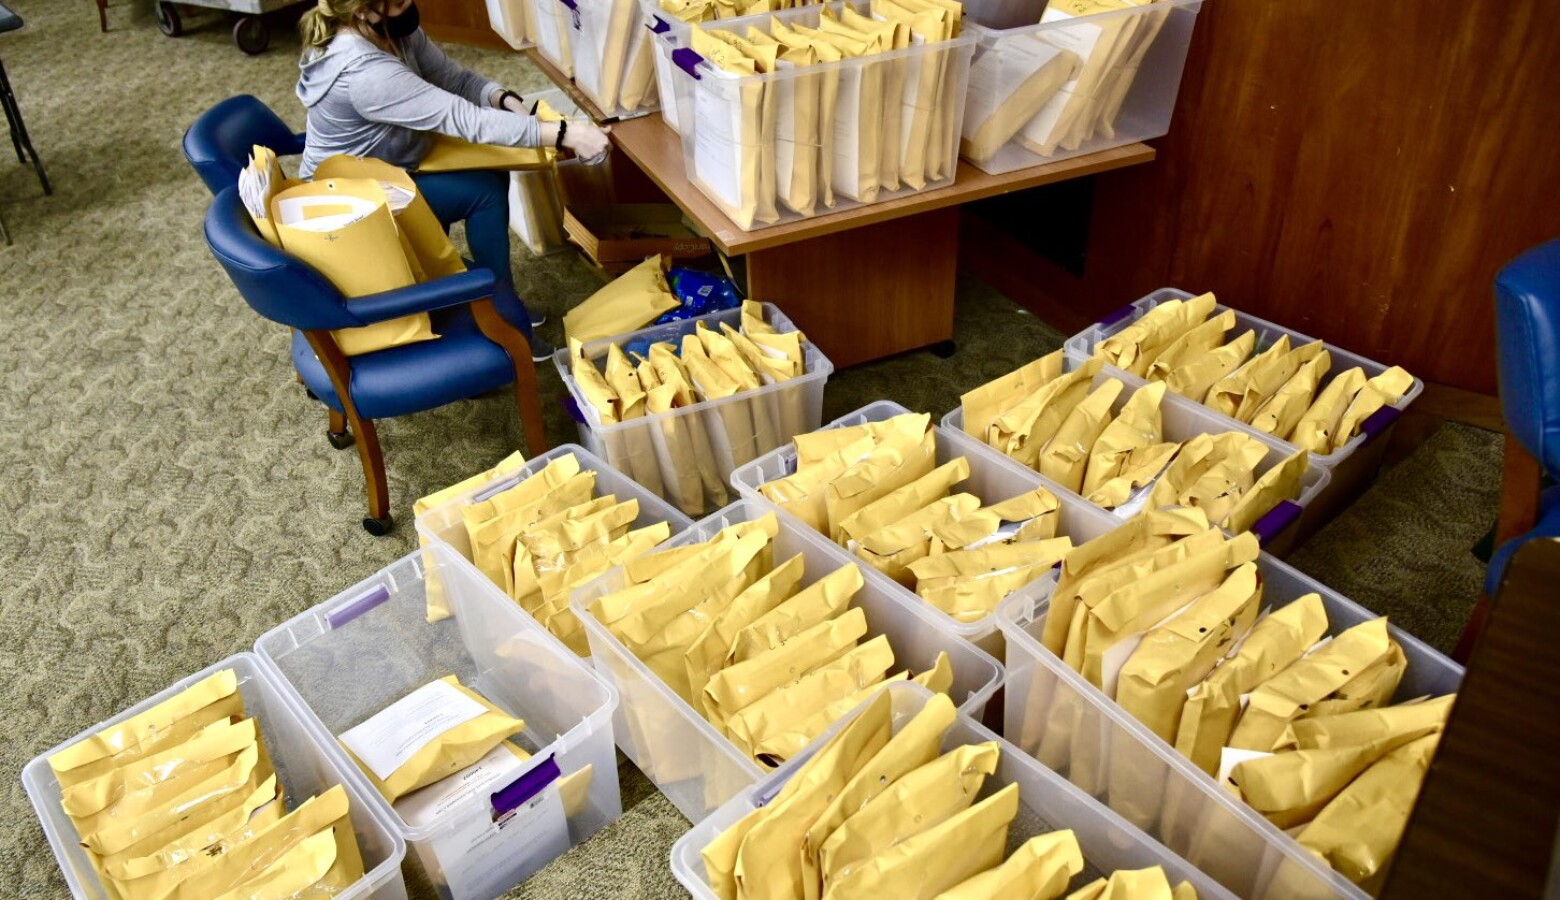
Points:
[(563, 129)]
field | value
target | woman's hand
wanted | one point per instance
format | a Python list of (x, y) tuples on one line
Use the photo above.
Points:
[(586, 140)]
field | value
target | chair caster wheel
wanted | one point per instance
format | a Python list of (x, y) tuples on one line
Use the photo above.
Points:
[(943, 349), (378, 527), (341, 440)]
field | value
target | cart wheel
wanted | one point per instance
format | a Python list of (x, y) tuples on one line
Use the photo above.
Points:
[(943, 349), (168, 21), (252, 35)]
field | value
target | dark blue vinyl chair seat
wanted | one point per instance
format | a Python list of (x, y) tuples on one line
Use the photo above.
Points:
[(1527, 323), (219, 143), (462, 363)]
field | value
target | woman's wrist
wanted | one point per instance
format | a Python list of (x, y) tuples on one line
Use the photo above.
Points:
[(549, 134)]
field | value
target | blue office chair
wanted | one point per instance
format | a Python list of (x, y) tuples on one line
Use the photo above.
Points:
[(1527, 332), (218, 144), (478, 351)]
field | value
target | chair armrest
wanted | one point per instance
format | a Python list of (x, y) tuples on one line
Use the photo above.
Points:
[(451, 290)]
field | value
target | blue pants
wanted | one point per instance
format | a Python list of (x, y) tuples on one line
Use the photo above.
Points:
[(480, 199)]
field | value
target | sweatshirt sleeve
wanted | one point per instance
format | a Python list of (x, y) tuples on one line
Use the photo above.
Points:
[(385, 90), (441, 71)]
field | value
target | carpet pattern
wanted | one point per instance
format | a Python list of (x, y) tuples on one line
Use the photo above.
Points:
[(169, 494)]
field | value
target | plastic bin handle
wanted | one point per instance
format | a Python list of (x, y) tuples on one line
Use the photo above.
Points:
[(1111, 319), (688, 61), (1276, 520), (517, 793), (573, 409), (1377, 423), (357, 606), (658, 25)]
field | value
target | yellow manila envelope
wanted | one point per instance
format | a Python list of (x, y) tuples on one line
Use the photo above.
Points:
[(1040, 869), (1282, 411), (819, 602), (729, 105), (797, 127), (921, 78), (1139, 884), (1138, 539), (856, 129), (643, 464), (1277, 640), (1317, 427), (1177, 655), (357, 247), (1067, 453), (1242, 392), (709, 651), (1291, 788), (1115, 93), (451, 154), (786, 707), (1366, 725), (689, 427), (984, 404), (631, 301), (1190, 346), (145, 813), (889, 36), (768, 862), (920, 799), (1360, 829), (1211, 472), (765, 56), (1371, 688), (211, 745), (827, 81), (1386, 388), (1280, 483), (740, 684), (610, 24), (938, 858), (906, 500), (891, 550), (215, 822), (1196, 377), (438, 605), (435, 255), (1286, 696), (1023, 431), (1130, 452)]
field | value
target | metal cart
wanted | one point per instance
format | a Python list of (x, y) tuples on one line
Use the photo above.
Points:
[(251, 32)]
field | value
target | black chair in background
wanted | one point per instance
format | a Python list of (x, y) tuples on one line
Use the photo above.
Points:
[(10, 21)]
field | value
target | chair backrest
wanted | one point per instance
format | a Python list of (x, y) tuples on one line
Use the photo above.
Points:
[(219, 142), (277, 284), (1527, 322)]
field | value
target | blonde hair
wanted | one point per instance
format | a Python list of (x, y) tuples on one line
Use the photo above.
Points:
[(321, 23)]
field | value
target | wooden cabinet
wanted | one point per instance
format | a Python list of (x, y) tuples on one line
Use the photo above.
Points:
[(459, 22)]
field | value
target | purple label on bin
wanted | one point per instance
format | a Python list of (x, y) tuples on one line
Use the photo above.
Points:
[(1118, 315), (1378, 422), (688, 61), (518, 792), (357, 606), (573, 409), (659, 25), (1276, 520)]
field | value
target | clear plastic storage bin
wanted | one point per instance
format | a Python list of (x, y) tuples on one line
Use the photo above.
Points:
[(1280, 529), (1353, 466), (1074, 728), (808, 141), (993, 478), (693, 764), (612, 60), (350, 657), (304, 768), (1067, 86), (551, 23), (445, 524), (686, 455), (1046, 803), (510, 21), (664, 33)]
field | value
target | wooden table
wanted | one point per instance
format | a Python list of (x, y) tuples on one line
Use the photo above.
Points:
[(863, 283), (1485, 822)]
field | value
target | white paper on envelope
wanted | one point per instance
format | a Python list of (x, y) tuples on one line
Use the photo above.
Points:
[(847, 138), (1044, 131), (995, 78), (719, 156)]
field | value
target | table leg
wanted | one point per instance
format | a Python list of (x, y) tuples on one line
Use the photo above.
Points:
[(869, 292)]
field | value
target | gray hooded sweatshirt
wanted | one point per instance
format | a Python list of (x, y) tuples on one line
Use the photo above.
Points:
[(366, 102)]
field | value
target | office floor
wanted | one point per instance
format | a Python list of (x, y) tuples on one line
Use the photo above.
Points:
[(168, 493)]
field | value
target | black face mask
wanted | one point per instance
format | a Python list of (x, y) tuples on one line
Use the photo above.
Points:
[(398, 27)]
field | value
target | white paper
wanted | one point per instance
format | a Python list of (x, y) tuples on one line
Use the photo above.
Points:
[(999, 72), (1080, 39), (1229, 758), (484, 858), (291, 211), (386, 740), (717, 141), (1117, 655), (549, 36), (470, 787), (846, 139)]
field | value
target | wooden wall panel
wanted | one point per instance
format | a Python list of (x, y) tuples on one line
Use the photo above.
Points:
[(1356, 170)]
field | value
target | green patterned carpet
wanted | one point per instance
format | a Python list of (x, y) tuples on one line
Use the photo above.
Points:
[(168, 492)]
